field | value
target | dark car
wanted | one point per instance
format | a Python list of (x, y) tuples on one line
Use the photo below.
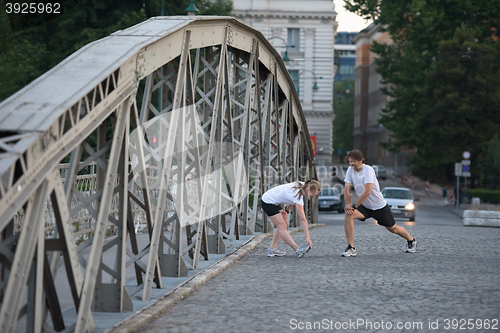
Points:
[(401, 201), (331, 199)]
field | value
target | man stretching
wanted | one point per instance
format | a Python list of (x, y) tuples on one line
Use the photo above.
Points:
[(370, 203)]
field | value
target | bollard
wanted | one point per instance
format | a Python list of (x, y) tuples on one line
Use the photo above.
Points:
[(427, 187), (451, 197)]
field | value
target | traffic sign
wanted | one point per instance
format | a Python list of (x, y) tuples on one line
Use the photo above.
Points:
[(458, 169), (466, 155), (465, 168)]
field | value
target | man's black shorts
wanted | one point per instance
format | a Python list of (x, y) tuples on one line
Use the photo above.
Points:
[(383, 215), (270, 209)]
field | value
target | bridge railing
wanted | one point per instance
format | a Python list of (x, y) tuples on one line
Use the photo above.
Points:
[(177, 123)]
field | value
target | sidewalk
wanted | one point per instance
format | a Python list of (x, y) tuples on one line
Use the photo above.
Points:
[(382, 289)]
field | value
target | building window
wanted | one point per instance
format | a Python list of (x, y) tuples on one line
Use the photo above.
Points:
[(346, 70), (357, 122), (294, 39), (295, 77)]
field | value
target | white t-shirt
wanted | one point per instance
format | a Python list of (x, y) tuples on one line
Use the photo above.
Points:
[(366, 176), (283, 195)]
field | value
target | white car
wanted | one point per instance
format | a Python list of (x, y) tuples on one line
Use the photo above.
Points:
[(380, 171), (401, 202)]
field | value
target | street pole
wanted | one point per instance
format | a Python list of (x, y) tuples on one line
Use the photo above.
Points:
[(458, 191), (465, 185)]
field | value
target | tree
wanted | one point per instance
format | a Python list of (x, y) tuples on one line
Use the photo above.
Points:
[(32, 50), (417, 29), (490, 164), (463, 99), (217, 7), (343, 123)]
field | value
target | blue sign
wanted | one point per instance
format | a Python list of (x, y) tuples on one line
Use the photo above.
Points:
[(465, 168)]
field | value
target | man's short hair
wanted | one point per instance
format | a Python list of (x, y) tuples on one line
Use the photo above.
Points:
[(356, 154)]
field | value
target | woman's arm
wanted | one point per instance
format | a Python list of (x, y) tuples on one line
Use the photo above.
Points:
[(303, 223)]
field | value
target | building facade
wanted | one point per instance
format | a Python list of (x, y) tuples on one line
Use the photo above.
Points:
[(369, 100), (304, 30), (345, 55)]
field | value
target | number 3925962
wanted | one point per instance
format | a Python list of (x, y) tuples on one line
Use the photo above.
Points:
[(33, 8)]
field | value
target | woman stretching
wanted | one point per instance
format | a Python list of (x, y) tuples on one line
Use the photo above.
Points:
[(291, 194)]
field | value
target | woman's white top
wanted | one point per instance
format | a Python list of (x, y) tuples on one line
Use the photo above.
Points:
[(283, 195)]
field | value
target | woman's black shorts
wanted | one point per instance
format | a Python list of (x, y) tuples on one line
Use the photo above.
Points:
[(383, 215), (270, 209)]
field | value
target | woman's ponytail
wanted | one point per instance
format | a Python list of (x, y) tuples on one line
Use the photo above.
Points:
[(311, 183)]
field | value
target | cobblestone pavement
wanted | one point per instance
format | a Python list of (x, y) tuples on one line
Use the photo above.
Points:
[(454, 275)]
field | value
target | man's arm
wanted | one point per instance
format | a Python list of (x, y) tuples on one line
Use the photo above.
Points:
[(347, 196), (366, 192)]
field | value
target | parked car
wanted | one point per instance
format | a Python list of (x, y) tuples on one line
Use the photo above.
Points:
[(401, 201), (331, 199), (380, 171)]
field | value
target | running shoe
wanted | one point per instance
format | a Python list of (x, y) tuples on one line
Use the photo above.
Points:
[(349, 251), (412, 246), (301, 250), (275, 253)]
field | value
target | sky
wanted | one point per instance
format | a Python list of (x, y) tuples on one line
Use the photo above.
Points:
[(348, 21)]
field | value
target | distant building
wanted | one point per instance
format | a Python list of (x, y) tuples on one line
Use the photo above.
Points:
[(369, 101), (345, 55), (308, 29)]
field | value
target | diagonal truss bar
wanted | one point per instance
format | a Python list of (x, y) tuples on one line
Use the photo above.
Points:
[(122, 114), (167, 160)]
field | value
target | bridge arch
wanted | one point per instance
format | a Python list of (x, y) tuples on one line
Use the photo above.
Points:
[(177, 124)]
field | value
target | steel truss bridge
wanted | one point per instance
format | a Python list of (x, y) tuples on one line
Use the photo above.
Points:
[(175, 126)]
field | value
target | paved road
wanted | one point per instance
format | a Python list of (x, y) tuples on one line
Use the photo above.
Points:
[(453, 277)]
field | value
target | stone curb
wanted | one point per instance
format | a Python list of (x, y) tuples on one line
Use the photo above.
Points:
[(485, 214), (481, 218), (151, 312)]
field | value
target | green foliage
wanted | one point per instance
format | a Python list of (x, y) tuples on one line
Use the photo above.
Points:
[(368, 9), (28, 53), (440, 103), (462, 101), (51, 11), (486, 195), (217, 7), (343, 123), (20, 64), (490, 164), (6, 35)]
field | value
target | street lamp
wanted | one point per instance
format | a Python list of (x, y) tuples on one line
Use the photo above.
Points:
[(315, 86), (285, 57), (191, 9)]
